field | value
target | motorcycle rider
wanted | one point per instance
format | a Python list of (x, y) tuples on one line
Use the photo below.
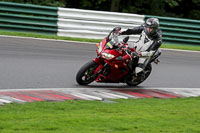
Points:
[(148, 44)]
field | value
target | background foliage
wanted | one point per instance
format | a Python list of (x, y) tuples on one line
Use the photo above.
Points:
[(171, 8)]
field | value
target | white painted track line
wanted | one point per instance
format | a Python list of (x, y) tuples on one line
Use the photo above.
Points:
[(86, 97), (114, 95), (5, 101)]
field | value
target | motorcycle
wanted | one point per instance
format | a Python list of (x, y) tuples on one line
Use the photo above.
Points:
[(115, 63)]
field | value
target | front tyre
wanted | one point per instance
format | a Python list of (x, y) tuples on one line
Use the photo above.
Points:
[(86, 74), (134, 81)]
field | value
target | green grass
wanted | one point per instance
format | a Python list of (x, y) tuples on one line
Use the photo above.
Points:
[(22, 34), (27, 34), (182, 47), (180, 115)]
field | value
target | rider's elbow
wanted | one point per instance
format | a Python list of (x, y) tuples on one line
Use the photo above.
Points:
[(159, 42)]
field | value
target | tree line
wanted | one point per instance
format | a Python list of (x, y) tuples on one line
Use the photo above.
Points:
[(169, 8)]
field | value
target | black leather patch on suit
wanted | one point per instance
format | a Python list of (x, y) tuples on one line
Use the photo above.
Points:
[(146, 40)]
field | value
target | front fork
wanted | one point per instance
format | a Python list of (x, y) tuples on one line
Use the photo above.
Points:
[(101, 65), (98, 60), (100, 70)]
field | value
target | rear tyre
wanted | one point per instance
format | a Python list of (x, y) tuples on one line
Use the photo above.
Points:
[(86, 74), (134, 81)]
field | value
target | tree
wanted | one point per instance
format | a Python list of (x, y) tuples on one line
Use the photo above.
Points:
[(168, 8), (115, 5)]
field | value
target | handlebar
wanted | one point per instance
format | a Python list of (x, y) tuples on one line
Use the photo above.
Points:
[(122, 46), (128, 51)]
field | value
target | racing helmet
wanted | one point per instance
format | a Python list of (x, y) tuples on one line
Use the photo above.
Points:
[(151, 26)]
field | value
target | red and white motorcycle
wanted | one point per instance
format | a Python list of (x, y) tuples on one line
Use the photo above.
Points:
[(115, 63)]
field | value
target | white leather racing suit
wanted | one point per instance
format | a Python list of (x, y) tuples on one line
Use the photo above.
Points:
[(146, 45)]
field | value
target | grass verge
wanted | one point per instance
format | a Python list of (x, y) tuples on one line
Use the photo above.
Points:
[(128, 116), (181, 47), (22, 34), (34, 35)]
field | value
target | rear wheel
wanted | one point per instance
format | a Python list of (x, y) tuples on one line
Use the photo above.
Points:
[(141, 77), (86, 74)]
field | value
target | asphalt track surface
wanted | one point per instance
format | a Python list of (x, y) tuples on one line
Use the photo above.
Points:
[(32, 63)]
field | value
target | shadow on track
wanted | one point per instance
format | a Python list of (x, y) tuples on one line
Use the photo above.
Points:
[(110, 86)]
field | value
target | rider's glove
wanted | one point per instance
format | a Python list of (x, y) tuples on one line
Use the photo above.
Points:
[(135, 54)]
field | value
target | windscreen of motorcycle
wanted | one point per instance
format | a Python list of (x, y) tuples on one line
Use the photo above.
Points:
[(113, 42)]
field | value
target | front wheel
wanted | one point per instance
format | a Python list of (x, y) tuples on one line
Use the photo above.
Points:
[(134, 81), (86, 74)]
